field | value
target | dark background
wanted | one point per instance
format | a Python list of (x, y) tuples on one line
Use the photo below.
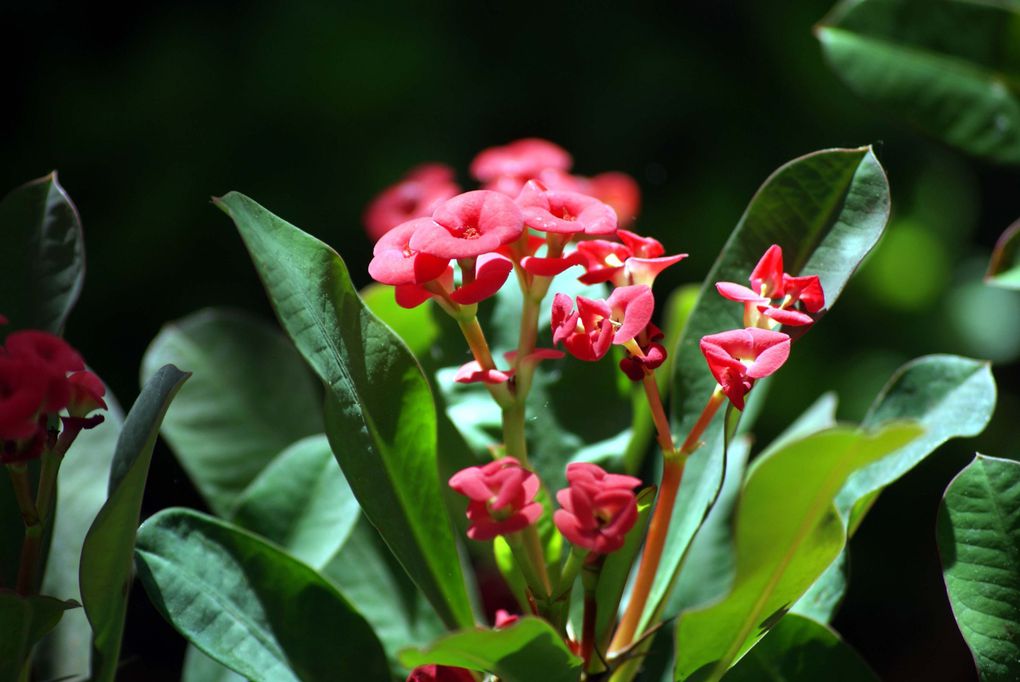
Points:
[(312, 107)]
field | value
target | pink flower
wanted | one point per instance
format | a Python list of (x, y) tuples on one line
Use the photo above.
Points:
[(620, 191), (588, 332), (737, 358), (598, 509), (773, 295), (502, 497), (415, 196), (52, 357), (520, 160), (472, 372), (564, 212), (638, 260), (654, 354), (491, 272), (469, 225), (505, 619), (396, 263), (440, 673)]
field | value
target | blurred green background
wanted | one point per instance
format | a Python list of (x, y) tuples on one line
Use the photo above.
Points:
[(313, 107)]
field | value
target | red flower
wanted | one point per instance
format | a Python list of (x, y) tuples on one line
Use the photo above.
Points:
[(87, 391), (396, 263), (52, 357), (519, 161), (736, 358), (440, 673), (472, 372), (773, 295), (564, 212), (469, 225), (502, 495), (654, 354), (23, 389), (598, 508), (415, 196), (588, 332)]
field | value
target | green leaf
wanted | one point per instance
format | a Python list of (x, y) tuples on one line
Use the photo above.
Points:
[(1004, 267), (416, 326), (950, 396), (799, 649), (708, 570), (820, 415), (251, 397), (81, 491), (105, 575), (302, 502), (787, 532), (23, 621), (513, 654), (369, 577), (949, 67), (616, 569), (826, 210), (978, 533), (823, 599), (200, 668), (40, 226), (249, 605), (380, 415)]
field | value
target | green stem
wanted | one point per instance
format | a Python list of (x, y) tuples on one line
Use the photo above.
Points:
[(527, 566), (47, 484), (30, 545)]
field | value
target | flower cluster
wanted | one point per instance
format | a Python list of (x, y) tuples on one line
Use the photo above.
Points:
[(534, 217), (41, 376), (597, 508), (739, 357)]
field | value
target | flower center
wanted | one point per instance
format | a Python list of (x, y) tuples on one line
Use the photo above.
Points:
[(612, 260), (470, 232)]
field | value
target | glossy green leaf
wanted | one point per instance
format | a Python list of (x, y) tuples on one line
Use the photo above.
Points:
[(81, 491), (249, 605), (949, 67), (799, 649), (820, 415), (105, 574), (302, 502), (787, 532), (380, 415), (978, 533), (23, 622), (950, 396), (369, 577), (1004, 267), (617, 568), (707, 572), (514, 654), (43, 276), (826, 210), (200, 668), (251, 397), (416, 326)]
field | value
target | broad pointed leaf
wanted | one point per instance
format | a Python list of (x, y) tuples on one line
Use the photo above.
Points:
[(250, 606), (106, 557), (978, 532), (23, 621), (799, 649), (42, 279), (517, 653), (826, 210), (302, 502), (380, 414), (949, 67), (251, 397), (787, 533)]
